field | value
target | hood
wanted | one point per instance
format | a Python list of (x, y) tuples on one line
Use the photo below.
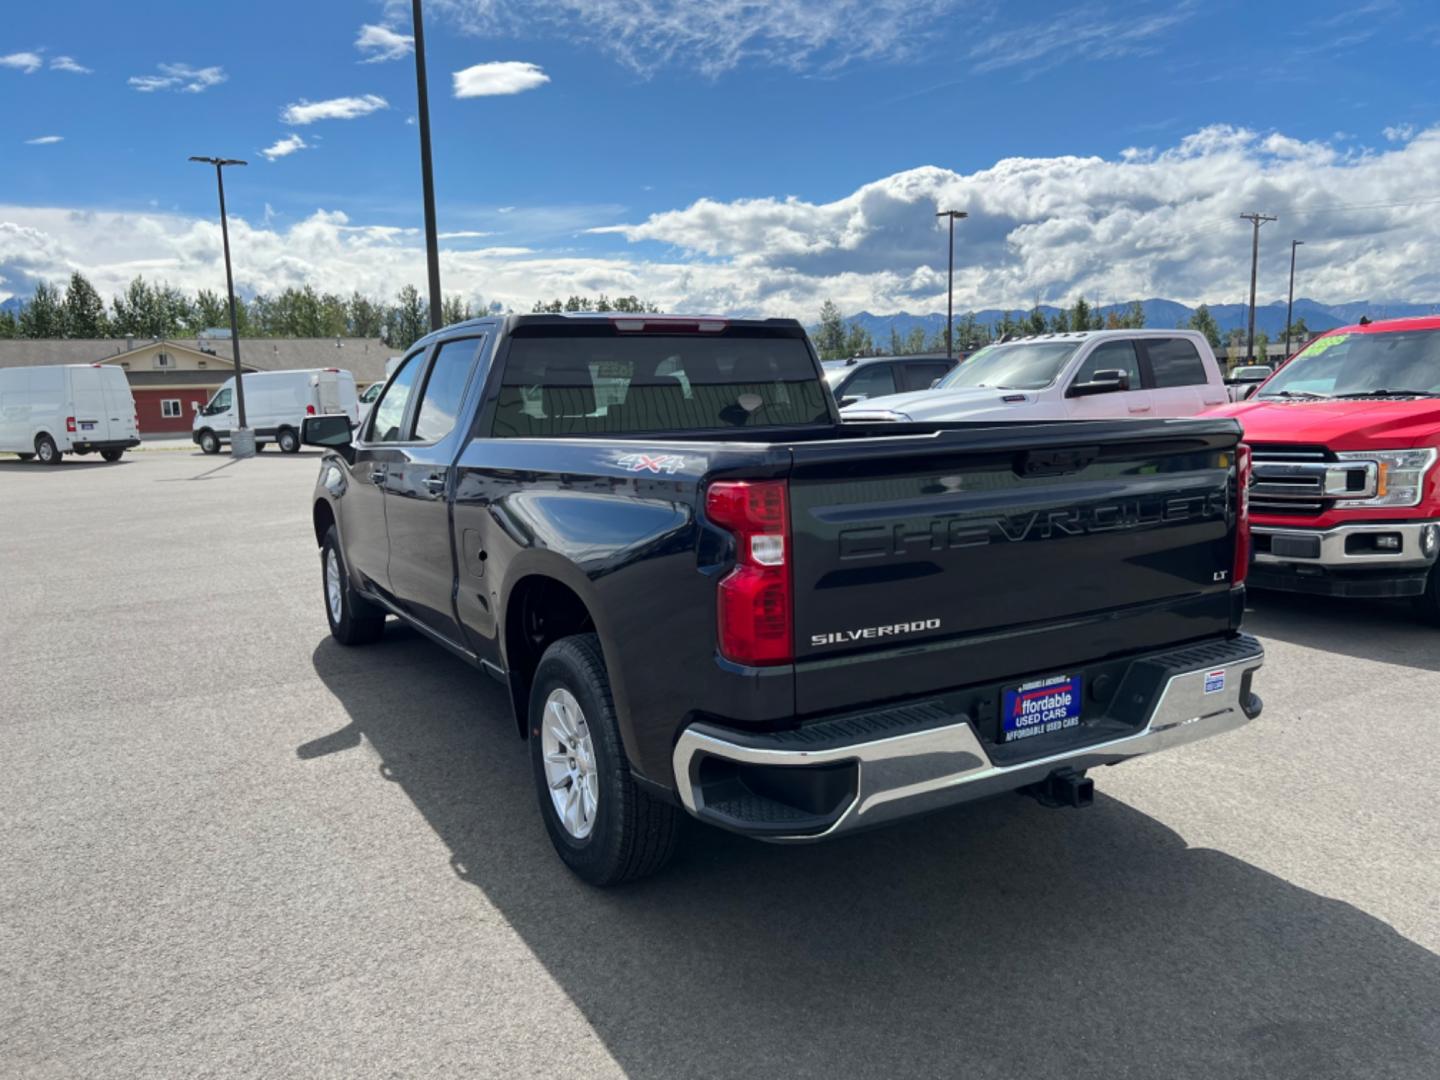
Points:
[(954, 404), (1340, 425)]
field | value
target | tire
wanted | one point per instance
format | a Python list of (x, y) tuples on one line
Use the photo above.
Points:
[(1427, 604), (628, 833), (353, 619), (209, 442), (111, 455), (46, 452), (287, 440)]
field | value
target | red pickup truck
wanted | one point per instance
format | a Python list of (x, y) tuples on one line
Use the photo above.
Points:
[(1345, 499)]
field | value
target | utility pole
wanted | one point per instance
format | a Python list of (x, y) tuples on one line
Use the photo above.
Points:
[(427, 172), (1290, 304), (242, 441), (950, 284), (1256, 220)]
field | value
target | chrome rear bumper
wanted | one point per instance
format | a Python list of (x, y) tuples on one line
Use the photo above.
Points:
[(876, 780)]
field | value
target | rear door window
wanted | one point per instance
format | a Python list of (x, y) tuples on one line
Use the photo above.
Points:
[(602, 382), (444, 387), (1174, 362), (872, 380)]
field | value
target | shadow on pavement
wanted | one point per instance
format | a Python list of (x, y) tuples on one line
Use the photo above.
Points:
[(1387, 631), (72, 463), (999, 939)]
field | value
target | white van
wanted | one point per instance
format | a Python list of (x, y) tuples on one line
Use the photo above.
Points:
[(46, 412), (276, 404)]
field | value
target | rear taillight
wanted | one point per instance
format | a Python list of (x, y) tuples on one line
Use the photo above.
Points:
[(753, 600), (70, 424), (309, 410), (1242, 515)]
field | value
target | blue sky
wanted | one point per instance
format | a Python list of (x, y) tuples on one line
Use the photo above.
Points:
[(753, 157)]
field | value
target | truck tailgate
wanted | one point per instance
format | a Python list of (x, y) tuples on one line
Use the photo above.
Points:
[(977, 553)]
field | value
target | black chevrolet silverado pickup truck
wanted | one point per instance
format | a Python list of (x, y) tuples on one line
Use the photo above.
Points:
[(708, 595)]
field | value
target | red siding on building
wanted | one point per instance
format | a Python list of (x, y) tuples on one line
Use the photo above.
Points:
[(148, 408)]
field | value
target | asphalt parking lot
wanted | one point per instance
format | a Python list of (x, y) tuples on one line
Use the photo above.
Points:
[(230, 847)]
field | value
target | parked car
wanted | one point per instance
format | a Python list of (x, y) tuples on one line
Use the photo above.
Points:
[(276, 403), (1089, 375), (860, 378), (1246, 379), (47, 412), (708, 595), (1346, 497)]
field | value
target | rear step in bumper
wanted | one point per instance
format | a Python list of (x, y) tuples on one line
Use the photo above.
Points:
[(731, 778)]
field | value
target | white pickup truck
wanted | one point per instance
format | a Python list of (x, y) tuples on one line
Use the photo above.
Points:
[(1087, 375)]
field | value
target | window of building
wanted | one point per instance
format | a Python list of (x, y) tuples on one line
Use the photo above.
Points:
[(170, 408), (164, 360)]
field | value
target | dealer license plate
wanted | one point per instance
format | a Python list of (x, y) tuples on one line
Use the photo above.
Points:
[(1041, 707), (87, 425)]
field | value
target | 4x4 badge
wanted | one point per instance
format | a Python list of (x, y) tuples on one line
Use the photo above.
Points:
[(655, 463)]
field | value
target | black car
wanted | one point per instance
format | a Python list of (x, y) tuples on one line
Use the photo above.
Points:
[(875, 376), (707, 595)]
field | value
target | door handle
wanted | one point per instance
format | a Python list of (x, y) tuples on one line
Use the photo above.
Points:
[(1140, 408), (435, 482)]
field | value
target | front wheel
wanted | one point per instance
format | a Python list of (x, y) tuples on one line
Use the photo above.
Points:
[(1427, 604), (288, 441), (111, 455), (209, 442), (605, 827), (353, 619), (46, 450)]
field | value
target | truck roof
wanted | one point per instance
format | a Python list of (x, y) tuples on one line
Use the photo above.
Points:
[(653, 321), (1390, 326)]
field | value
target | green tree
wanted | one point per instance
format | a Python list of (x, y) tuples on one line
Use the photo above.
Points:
[(1262, 346), (409, 320), (365, 317), (209, 311), (1060, 323), (914, 341), (857, 341), (1035, 324), (967, 333), (454, 309), (1203, 321), (84, 311), (9, 328), (44, 315), (1134, 317), (896, 345), (1080, 315), (830, 337)]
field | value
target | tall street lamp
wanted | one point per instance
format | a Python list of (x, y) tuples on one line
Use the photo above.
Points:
[(950, 284), (1290, 306), (427, 171), (242, 440)]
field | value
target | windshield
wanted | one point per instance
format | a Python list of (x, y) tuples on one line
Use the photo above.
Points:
[(1346, 365), (1026, 365)]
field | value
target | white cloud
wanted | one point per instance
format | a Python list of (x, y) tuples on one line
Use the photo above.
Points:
[(464, 234), (1399, 132), (1085, 33), (28, 62), (500, 77), (343, 108), (381, 43), (714, 36), (45, 140), (283, 148), (1163, 223), (182, 77), (70, 64)]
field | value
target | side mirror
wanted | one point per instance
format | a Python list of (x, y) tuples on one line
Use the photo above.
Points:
[(333, 431), (1102, 382)]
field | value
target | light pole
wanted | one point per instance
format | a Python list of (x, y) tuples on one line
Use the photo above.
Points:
[(242, 441), (1290, 305), (427, 171), (950, 284), (1256, 220)]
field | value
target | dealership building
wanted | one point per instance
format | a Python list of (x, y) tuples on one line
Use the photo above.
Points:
[(168, 377)]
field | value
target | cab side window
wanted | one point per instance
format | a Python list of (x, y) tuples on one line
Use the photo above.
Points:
[(389, 412), (1111, 356), (445, 386), (872, 380), (1174, 362)]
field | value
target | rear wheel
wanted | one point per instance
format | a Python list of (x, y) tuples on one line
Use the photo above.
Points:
[(111, 455), (209, 442), (353, 619), (46, 450), (604, 826), (288, 441)]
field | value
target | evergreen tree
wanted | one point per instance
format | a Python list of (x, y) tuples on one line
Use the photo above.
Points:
[(915, 341), (1203, 321), (1134, 317), (210, 311), (857, 341), (365, 317), (1080, 315), (44, 315), (830, 337), (1035, 324), (9, 328), (409, 320), (897, 347), (1060, 324), (967, 333), (454, 309), (84, 310), (1262, 346)]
